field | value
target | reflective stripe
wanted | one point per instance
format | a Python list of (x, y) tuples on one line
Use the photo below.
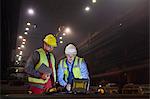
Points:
[(53, 65), (76, 61), (64, 65), (36, 80), (38, 86), (80, 60)]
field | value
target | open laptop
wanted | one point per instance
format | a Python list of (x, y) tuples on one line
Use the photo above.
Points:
[(80, 85)]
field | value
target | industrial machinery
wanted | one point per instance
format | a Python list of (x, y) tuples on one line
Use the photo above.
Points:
[(136, 89), (110, 88)]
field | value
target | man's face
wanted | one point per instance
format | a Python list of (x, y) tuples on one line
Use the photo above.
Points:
[(70, 58), (48, 47)]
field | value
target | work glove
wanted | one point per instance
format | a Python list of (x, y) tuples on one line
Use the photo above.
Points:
[(50, 90), (68, 87)]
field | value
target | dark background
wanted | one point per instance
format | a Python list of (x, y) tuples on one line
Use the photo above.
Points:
[(113, 37)]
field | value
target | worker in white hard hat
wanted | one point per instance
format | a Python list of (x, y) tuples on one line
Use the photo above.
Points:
[(71, 67)]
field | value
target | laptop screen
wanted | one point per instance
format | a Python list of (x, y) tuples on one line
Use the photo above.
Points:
[(80, 85)]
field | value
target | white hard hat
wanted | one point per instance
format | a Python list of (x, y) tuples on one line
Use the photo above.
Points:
[(70, 49)]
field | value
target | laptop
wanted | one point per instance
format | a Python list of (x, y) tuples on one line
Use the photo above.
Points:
[(80, 85)]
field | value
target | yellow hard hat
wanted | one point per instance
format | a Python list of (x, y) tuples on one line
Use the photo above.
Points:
[(50, 40)]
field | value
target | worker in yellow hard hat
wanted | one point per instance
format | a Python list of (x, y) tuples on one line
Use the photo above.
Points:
[(71, 67), (40, 67)]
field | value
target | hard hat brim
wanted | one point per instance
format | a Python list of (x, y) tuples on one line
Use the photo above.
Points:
[(53, 45)]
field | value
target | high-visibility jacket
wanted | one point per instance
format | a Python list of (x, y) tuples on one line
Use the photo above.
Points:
[(43, 60), (75, 69)]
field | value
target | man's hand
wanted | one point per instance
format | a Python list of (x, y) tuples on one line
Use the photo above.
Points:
[(45, 76), (68, 87)]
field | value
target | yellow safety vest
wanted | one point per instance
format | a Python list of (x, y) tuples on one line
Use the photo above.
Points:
[(43, 60), (76, 68)]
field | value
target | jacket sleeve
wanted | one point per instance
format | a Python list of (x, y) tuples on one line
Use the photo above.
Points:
[(31, 63), (60, 74), (84, 70)]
